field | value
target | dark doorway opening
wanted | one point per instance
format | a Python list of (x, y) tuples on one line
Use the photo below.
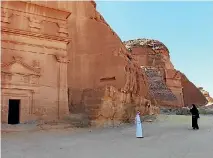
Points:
[(13, 111)]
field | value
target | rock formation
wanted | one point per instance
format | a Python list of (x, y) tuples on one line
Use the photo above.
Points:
[(152, 53), (207, 95), (158, 88), (102, 80), (192, 95), (59, 54), (95, 74), (34, 62)]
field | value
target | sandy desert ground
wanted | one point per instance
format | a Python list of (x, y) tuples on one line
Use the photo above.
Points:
[(169, 137)]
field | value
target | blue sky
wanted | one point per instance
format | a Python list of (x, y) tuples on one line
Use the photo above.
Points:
[(186, 28)]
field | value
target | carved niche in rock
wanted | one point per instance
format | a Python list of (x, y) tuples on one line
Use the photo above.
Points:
[(20, 73)]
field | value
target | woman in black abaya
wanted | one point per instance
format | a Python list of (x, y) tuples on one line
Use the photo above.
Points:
[(195, 115)]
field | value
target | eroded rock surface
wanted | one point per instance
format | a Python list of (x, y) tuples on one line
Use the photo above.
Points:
[(192, 95), (100, 71), (34, 42), (207, 95), (76, 60), (158, 88), (102, 79), (153, 53)]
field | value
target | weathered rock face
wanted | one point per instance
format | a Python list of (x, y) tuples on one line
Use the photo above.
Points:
[(152, 53), (207, 95), (100, 73), (192, 95), (158, 88), (99, 61), (94, 74), (34, 62)]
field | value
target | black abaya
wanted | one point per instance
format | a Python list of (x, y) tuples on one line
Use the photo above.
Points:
[(195, 115), (194, 122)]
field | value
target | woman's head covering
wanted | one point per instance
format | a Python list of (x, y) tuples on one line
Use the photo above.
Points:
[(193, 105)]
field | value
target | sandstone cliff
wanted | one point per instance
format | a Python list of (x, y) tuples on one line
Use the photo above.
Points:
[(192, 95), (103, 74), (34, 46), (153, 53), (95, 70), (102, 79), (95, 74), (207, 95)]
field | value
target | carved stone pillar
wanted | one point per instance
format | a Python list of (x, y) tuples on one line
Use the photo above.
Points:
[(63, 108)]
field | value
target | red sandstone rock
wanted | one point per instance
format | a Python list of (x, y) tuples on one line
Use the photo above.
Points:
[(99, 68), (207, 95), (153, 53), (99, 60), (34, 61), (192, 95), (95, 74)]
